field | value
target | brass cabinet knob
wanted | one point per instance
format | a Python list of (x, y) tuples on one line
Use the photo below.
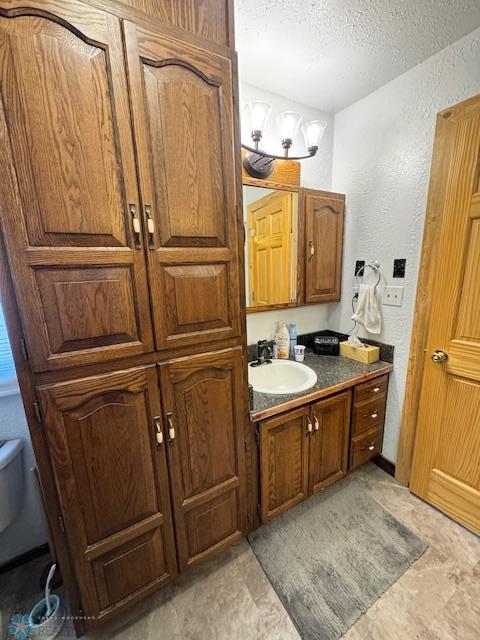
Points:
[(439, 356)]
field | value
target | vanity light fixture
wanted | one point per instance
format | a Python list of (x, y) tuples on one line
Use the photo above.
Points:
[(259, 163)]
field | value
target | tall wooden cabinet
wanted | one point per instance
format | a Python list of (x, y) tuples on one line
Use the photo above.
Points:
[(120, 207)]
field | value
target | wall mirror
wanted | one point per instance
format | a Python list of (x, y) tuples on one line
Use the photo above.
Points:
[(270, 217)]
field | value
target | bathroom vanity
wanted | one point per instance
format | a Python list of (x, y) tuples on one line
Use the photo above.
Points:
[(308, 440)]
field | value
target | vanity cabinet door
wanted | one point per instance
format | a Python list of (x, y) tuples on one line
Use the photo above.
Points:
[(284, 461), (68, 186), (183, 119), (323, 222), (329, 441), (111, 473), (205, 415)]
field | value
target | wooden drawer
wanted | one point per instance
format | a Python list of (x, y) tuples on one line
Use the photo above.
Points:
[(365, 446), (369, 414), (371, 389)]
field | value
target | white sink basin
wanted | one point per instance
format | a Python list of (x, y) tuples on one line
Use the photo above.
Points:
[(281, 376)]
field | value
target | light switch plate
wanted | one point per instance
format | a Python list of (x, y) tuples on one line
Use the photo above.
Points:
[(393, 296)]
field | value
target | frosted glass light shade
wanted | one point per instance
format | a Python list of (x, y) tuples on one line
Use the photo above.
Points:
[(288, 122), (259, 112), (313, 132)]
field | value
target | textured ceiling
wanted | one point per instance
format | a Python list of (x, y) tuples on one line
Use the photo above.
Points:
[(330, 53)]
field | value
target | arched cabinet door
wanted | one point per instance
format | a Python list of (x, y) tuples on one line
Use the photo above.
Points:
[(183, 119), (204, 414), (323, 220), (68, 193), (108, 455)]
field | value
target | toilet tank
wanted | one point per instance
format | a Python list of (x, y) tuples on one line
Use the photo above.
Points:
[(11, 480)]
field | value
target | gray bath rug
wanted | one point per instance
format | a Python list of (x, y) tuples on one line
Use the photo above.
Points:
[(330, 558)]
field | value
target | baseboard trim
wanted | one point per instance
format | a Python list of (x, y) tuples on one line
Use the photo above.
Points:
[(25, 557), (384, 464)]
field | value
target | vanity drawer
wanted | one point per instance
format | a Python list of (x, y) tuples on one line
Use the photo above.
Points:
[(371, 389), (367, 415), (365, 446)]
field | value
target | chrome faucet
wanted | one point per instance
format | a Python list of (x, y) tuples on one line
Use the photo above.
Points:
[(264, 353)]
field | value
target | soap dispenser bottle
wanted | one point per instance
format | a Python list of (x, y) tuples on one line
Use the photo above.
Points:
[(283, 341)]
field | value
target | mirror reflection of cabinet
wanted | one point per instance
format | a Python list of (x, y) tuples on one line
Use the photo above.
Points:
[(293, 246)]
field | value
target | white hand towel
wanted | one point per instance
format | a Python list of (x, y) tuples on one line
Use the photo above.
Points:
[(368, 311)]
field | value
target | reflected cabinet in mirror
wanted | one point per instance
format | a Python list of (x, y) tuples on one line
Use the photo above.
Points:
[(293, 245), (271, 255)]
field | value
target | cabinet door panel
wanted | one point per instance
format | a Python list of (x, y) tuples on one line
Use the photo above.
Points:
[(67, 161), (323, 245), (183, 117), (329, 441), (203, 403), (113, 485), (283, 462)]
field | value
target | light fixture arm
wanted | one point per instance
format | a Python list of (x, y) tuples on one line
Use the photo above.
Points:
[(311, 152)]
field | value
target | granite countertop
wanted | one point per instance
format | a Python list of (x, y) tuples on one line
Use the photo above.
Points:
[(334, 373)]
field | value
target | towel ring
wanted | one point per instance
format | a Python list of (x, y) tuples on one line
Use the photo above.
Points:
[(375, 266)]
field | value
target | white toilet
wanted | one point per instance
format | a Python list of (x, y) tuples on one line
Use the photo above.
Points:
[(11, 480)]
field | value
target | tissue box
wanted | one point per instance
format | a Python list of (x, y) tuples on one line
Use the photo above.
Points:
[(366, 354)]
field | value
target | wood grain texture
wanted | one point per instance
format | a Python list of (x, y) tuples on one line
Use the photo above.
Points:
[(269, 184), (447, 441), (283, 462), (442, 148), (182, 98), (209, 19), (323, 246), (285, 172), (113, 484), (371, 389), (203, 400), (365, 446), (55, 209), (368, 414), (270, 250), (328, 456)]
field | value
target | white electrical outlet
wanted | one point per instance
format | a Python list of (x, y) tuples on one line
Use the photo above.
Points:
[(393, 296)]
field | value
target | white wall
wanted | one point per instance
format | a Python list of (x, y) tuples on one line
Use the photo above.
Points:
[(316, 173), (28, 529), (382, 154)]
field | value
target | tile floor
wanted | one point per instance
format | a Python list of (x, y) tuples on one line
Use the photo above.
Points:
[(230, 598)]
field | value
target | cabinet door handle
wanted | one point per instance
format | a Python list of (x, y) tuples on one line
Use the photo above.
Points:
[(370, 447), (374, 415), (150, 226), (171, 428), (376, 389), (135, 224), (157, 421), (309, 426), (312, 249), (317, 424)]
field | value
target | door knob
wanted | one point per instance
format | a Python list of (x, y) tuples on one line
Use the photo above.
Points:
[(439, 356)]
